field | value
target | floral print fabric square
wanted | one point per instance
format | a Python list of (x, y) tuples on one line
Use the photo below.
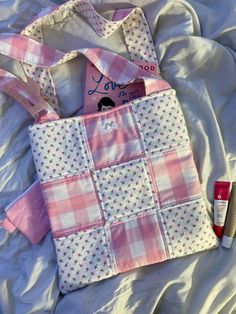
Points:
[(83, 257), (58, 150), (161, 122), (187, 228), (126, 189)]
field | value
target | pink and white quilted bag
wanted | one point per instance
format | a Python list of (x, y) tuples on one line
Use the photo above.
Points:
[(120, 186)]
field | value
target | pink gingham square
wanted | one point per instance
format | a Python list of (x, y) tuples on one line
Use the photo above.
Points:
[(176, 176), (72, 204), (113, 137), (137, 242)]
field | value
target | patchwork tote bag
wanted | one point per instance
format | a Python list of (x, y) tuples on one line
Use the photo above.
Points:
[(120, 186), (131, 27)]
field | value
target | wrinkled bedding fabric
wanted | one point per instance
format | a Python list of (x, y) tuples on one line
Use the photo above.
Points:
[(196, 46)]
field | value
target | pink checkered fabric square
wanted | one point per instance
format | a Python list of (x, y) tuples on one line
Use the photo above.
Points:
[(137, 242), (112, 137), (176, 177), (72, 204)]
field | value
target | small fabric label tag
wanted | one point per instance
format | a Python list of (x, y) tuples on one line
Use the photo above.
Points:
[(102, 94)]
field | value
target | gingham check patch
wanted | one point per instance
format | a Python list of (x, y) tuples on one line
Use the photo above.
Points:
[(176, 177), (113, 137), (72, 204), (137, 242)]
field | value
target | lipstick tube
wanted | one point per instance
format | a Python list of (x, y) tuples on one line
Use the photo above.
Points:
[(230, 223), (221, 199)]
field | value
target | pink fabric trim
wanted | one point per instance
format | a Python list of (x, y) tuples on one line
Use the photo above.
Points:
[(121, 14), (152, 174), (6, 224), (70, 231), (46, 117), (122, 160), (28, 214)]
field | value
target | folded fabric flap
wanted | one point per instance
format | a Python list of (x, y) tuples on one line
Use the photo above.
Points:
[(7, 224), (28, 214)]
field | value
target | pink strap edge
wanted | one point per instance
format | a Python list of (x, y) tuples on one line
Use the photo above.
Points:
[(33, 219)]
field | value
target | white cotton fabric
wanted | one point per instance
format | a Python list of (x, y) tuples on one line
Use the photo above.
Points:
[(196, 46)]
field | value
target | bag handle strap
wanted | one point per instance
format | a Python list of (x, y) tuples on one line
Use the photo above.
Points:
[(27, 94), (137, 34), (136, 30), (111, 65)]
